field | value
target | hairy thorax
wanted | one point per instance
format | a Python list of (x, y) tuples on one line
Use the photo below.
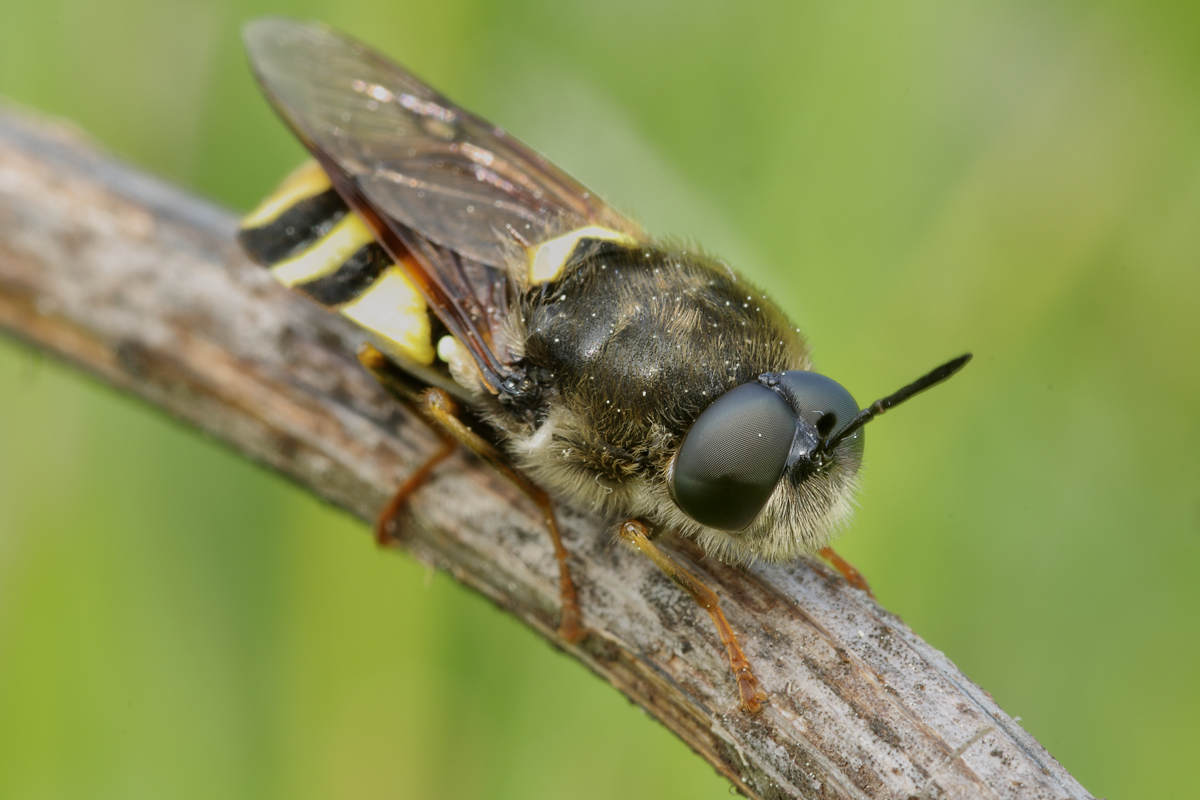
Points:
[(635, 343)]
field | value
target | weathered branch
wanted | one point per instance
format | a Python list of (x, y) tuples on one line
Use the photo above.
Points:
[(140, 284)]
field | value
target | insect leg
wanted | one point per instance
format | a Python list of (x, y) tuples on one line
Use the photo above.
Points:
[(406, 390), (637, 534), (438, 408), (848, 570), (385, 524)]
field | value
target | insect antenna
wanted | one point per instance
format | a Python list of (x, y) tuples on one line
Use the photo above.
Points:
[(892, 400)]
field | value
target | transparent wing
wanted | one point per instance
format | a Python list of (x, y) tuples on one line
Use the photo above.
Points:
[(417, 158)]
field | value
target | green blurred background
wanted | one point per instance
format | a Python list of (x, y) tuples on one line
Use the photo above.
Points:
[(911, 179)]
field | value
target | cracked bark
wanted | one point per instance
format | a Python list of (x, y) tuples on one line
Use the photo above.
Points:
[(140, 284)]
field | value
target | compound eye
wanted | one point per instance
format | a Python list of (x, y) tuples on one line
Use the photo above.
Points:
[(816, 398), (733, 456)]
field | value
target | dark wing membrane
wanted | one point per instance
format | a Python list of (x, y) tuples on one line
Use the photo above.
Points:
[(453, 189), (418, 158)]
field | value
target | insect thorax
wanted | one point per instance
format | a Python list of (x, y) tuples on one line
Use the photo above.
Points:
[(639, 341)]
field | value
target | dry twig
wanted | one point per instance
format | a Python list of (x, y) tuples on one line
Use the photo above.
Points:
[(140, 284)]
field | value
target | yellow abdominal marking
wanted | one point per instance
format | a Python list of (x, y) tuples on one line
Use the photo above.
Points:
[(546, 260), (307, 180), (396, 311), (324, 257)]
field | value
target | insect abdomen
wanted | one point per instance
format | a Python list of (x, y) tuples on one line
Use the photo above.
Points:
[(307, 235)]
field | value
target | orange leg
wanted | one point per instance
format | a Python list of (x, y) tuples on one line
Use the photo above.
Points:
[(439, 409), (852, 575), (752, 695), (385, 525)]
